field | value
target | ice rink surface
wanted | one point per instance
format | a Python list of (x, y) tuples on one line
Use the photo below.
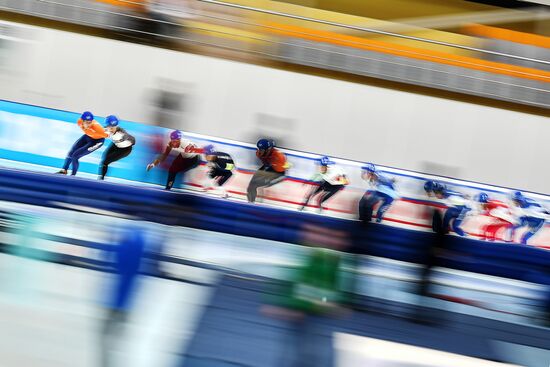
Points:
[(52, 314)]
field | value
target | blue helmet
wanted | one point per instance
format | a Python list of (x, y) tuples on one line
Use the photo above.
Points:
[(111, 121), (434, 186), (264, 144), (429, 186), (439, 188), (325, 161), (369, 167), (518, 196), (483, 198), (87, 116), (208, 149), (176, 135)]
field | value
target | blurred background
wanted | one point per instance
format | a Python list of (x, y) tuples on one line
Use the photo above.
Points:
[(120, 272)]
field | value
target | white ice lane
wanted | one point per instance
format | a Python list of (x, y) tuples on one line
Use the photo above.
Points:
[(164, 322), (52, 315)]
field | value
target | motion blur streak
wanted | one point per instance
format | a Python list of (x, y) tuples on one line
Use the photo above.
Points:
[(296, 183)]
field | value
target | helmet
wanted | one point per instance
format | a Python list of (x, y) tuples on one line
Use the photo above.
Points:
[(429, 186), (208, 149), (483, 198), (518, 196), (325, 161), (111, 121), (439, 188), (176, 135), (264, 144), (87, 116), (369, 167)]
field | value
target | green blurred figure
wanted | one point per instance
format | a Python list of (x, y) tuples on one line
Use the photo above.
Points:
[(316, 290)]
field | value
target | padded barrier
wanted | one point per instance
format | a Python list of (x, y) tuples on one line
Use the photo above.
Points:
[(196, 211)]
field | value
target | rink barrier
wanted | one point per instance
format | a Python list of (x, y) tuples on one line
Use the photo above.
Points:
[(266, 222)]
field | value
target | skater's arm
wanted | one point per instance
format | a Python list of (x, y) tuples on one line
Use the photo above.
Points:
[(340, 177), (97, 131), (279, 162), (93, 130), (161, 158), (343, 180)]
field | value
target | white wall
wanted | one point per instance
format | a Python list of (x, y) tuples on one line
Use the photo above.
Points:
[(75, 72)]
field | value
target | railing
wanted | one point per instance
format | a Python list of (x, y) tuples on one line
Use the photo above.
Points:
[(372, 30)]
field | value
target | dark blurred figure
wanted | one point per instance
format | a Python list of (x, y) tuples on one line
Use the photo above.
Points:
[(434, 248), (430, 188), (281, 129), (153, 24), (5, 227), (546, 305), (542, 276), (171, 103), (128, 255)]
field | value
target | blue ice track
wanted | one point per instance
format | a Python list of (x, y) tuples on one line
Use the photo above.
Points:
[(259, 221)]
